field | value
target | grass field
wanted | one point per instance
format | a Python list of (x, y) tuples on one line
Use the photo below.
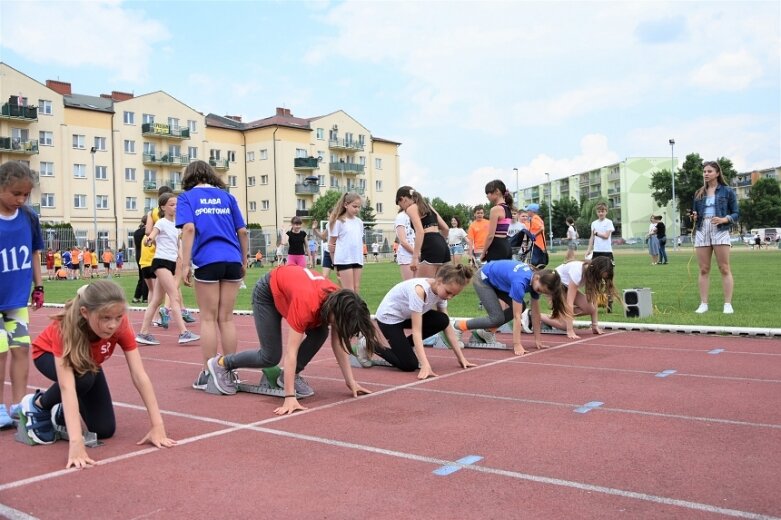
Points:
[(756, 299)]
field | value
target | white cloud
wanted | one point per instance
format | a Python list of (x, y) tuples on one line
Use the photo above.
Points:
[(729, 71), (103, 35)]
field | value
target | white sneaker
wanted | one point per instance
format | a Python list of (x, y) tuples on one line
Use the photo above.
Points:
[(362, 353), (728, 308), (525, 322), (484, 336), (703, 308)]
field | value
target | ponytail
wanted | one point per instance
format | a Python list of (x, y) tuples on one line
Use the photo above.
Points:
[(551, 280)]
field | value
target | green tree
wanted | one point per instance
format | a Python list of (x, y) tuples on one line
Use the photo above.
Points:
[(562, 209), (323, 205), (763, 206), (367, 214)]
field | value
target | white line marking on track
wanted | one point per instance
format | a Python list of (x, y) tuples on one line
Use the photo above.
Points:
[(14, 514)]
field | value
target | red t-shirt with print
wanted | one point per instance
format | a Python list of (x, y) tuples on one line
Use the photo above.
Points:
[(298, 295), (50, 340)]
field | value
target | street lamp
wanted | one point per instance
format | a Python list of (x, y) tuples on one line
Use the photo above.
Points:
[(672, 173), (550, 203), (517, 194), (94, 199)]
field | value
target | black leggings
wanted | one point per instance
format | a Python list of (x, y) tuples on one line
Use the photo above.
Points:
[(401, 353), (93, 394)]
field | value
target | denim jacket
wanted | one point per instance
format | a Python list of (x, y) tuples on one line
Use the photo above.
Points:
[(726, 206)]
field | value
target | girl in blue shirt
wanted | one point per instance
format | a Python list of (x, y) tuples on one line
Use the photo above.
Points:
[(508, 281), (214, 239)]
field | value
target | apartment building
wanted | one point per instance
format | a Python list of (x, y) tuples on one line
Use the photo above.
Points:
[(624, 185), (102, 158)]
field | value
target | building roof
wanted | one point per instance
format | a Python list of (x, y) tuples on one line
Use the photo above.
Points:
[(97, 103), (382, 140)]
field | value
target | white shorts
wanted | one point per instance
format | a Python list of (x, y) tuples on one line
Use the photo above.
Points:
[(709, 235)]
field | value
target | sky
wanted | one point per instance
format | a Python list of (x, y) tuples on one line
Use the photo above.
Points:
[(472, 90)]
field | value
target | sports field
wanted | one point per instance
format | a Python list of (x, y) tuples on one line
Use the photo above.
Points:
[(756, 299)]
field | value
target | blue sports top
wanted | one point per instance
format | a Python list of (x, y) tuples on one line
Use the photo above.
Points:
[(217, 218), (510, 276), (20, 237)]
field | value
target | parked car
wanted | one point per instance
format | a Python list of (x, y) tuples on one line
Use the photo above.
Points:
[(618, 241), (632, 241)]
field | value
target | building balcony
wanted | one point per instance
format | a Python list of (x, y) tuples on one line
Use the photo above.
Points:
[(219, 164), (342, 144), (150, 186), (19, 113), (348, 189), (305, 163), (614, 176), (593, 194), (151, 159), (174, 185), (613, 191), (164, 131), (16, 145), (346, 168), (302, 213), (307, 189), (741, 182)]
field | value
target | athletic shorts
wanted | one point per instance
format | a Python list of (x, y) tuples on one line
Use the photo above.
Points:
[(345, 267), (95, 266), (147, 273), (14, 332), (434, 249), (219, 272), (327, 262), (107, 265), (710, 235), (299, 260), (161, 263)]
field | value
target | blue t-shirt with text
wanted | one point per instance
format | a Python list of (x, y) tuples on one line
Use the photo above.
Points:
[(510, 276), (20, 237)]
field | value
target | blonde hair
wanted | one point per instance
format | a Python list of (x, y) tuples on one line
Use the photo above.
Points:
[(339, 209), (74, 328)]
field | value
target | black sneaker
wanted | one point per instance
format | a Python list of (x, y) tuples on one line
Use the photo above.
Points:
[(37, 421), (58, 420)]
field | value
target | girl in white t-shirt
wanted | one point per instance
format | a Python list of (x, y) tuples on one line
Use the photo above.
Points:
[(405, 235), (345, 242), (595, 277), (166, 237)]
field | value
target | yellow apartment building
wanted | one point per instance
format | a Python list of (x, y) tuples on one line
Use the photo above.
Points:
[(101, 159)]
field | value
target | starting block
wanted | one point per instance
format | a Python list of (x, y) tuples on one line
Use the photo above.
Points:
[(21, 435), (441, 343), (266, 386)]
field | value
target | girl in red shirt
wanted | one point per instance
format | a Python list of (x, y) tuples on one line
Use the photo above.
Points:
[(310, 303), (70, 352)]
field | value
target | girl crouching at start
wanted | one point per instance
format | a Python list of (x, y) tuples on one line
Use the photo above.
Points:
[(70, 352)]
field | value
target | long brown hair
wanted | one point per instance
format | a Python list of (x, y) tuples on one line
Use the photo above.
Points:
[(459, 274), (598, 279), (349, 316), (74, 328), (551, 280), (200, 172), (408, 191)]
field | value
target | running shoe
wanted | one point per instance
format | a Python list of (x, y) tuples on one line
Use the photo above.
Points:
[(58, 420), (164, 317), (5, 419), (187, 317), (362, 353), (146, 339), (188, 337), (222, 378), (484, 336), (703, 308), (728, 308), (37, 421), (301, 386), (526, 321)]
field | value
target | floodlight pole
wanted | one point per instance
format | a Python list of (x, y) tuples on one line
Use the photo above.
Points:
[(672, 173)]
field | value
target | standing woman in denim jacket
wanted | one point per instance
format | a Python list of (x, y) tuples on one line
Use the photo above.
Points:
[(715, 210)]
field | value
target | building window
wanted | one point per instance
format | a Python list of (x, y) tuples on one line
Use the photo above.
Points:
[(100, 144), (300, 204), (129, 118), (362, 160), (301, 153), (191, 124), (378, 163), (253, 206), (334, 182), (101, 201), (377, 185), (131, 203), (150, 177), (47, 200), (264, 179), (361, 139), (233, 181), (263, 154), (378, 206), (149, 148), (46, 169), (321, 180), (231, 156), (348, 138), (148, 119), (80, 171), (250, 181), (192, 152), (214, 154), (149, 203), (130, 146), (265, 205), (130, 174), (46, 138), (320, 133), (101, 173), (78, 141), (79, 201), (44, 107), (250, 156), (174, 150), (320, 155), (173, 123)]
